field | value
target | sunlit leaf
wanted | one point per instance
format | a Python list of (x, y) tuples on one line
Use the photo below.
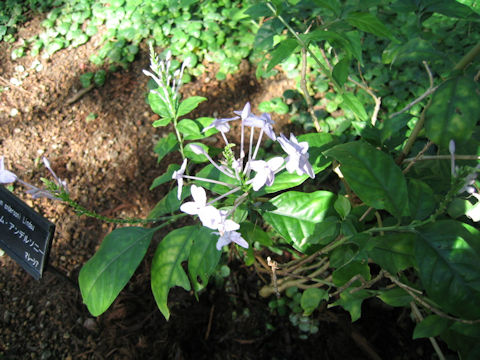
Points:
[(448, 257), (103, 276), (167, 270), (372, 175), (454, 111)]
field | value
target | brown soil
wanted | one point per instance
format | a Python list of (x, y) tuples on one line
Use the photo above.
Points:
[(103, 146)]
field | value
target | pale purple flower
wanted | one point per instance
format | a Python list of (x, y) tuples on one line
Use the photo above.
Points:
[(208, 214), (220, 124), (265, 171), (6, 176), (178, 175), (297, 159), (229, 237), (263, 122)]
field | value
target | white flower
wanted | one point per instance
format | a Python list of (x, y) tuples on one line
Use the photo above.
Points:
[(297, 159), (6, 176), (265, 171), (209, 215), (264, 122), (178, 175), (229, 237)]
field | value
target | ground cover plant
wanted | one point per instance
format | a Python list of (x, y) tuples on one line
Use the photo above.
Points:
[(388, 91)]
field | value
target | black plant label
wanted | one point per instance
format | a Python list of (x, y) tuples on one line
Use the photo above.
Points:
[(25, 235)]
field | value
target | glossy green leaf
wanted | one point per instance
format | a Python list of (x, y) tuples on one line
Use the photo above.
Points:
[(204, 257), (453, 112), (169, 203), (258, 10), (351, 102), (167, 176), (353, 302), (281, 52), (252, 233), (210, 172), (189, 104), (421, 199), (311, 298), (448, 258), (431, 326), (103, 276), (369, 23), (394, 252), (340, 71), (373, 176), (395, 297), (167, 270), (192, 155), (166, 145), (295, 216), (342, 206), (159, 107), (345, 273), (333, 5)]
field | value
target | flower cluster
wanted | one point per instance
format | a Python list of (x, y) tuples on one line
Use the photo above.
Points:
[(58, 187), (161, 73), (239, 169)]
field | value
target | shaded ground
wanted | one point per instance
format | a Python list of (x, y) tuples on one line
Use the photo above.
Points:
[(103, 146)]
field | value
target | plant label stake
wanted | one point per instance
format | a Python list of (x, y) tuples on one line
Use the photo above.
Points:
[(25, 235)]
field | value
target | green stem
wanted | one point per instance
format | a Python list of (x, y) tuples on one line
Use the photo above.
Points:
[(83, 211), (467, 59)]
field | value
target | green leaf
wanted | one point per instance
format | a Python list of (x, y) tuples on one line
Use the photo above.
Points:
[(103, 276), (167, 270), (189, 104), (295, 215), (345, 273), (193, 129), (204, 257), (252, 233), (351, 102), (373, 176), (311, 299), (281, 52), (339, 40), (167, 176), (454, 111), (169, 203), (210, 172), (454, 9), (448, 257), (421, 199), (395, 297), (369, 23), (353, 302), (431, 326), (394, 252), (165, 146), (159, 107), (192, 155), (333, 5), (162, 122), (340, 71), (342, 206), (258, 10)]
